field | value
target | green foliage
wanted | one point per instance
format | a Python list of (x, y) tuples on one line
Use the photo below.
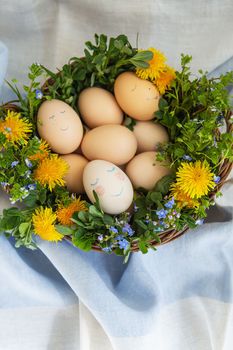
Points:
[(29, 102), (193, 109), (17, 223), (102, 62), (163, 185), (130, 123), (64, 230)]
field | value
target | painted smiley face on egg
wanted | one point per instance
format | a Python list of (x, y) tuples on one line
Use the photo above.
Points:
[(60, 126), (137, 97), (111, 184)]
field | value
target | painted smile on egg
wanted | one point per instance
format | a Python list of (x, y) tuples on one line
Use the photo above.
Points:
[(119, 193), (64, 129), (152, 98), (134, 88)]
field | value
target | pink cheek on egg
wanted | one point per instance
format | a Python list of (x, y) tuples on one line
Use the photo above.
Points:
[(100, 190), (120, 176)]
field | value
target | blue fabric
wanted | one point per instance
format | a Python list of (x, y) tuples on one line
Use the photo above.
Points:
[(198, 264)]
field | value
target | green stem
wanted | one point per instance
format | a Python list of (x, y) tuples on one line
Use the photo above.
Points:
[(30, 102)]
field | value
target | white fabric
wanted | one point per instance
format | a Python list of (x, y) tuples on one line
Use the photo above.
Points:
[(179, 326), (3, 63), (50, 32), (179, 297)]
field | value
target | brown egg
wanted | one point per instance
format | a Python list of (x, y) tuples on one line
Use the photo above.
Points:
[(144, 171), (149, 135), (114, 143), (79, 150), (99, 107), (137, 97), (60, 126), (74, 177)]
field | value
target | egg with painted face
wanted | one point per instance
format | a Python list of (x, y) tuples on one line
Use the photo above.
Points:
[(137, 97), (60, 126), (111, 184)]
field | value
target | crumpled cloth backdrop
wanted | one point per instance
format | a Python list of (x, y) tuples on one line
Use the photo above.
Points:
[(180, 297)]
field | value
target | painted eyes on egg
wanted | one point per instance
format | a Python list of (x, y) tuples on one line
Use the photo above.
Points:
[(96, 182), (52, 117), (111, 170)]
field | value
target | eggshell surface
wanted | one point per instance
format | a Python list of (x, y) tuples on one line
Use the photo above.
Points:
[(60, 126), (111, 184), (137, 97), (113, 143), (143, 173), (98, 107), (74, 177), (149, 135)]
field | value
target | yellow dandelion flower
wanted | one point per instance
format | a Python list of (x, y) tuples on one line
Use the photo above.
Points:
[(165, 79), (43, 152), (195, 179), (51, 171), (15, 128), (156, 66), (43, 221), (64, 214), (183, 199)]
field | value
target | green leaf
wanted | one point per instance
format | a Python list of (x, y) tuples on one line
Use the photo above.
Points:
[(130, 123), (141, 224), (97, 202), (64, 230), (141, 213), (108, 220), (9, 223), (83, 245), (95, 212), (164, 184), (140, 64), (218, 194), (98, 59), (127, 50), (30, 200), (103, 42), (158, 115), (81, 74), (143, 56), (179, 152), (142, 246), (185, 59), (12, 212), (119, 251), (127, 255), (156, 196), (24, 227), (42, 195), (118, 44), (162, 103), (81, 241), (82, 216)]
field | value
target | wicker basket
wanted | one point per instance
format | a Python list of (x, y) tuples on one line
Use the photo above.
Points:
[(171, 234)]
